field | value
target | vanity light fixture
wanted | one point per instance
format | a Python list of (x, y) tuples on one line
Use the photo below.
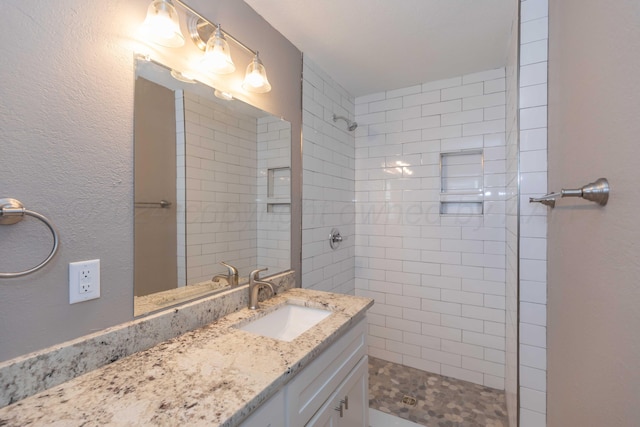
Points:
[(161, 25), (255, 79), (217, 56)]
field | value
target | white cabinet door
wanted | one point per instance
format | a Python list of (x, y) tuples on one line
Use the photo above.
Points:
[(352, 396), (324, 418), (355, 398), (316, 383), (270, 414)]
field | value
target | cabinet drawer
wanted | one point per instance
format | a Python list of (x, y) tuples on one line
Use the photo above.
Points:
[(308, 391)]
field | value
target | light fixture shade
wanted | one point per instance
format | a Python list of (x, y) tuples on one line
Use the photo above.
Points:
[(255, 80), (161, 25), (217, 56)]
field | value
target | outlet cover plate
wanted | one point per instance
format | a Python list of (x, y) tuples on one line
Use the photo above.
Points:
[(84, 280)]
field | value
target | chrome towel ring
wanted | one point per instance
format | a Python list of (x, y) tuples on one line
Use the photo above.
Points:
[(13, 211)]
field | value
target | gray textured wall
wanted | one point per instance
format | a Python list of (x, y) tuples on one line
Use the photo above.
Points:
[(593, 252), (66, 145)]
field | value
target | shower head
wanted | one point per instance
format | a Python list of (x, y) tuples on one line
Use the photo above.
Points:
[(351, 126)]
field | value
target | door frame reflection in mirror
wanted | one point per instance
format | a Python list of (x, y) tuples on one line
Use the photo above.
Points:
[(239, 203)]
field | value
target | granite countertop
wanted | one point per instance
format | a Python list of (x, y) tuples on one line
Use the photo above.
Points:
[(164, 299), (215, 375)]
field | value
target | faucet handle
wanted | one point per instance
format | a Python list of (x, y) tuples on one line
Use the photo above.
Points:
[(231, 268), (255, 274)]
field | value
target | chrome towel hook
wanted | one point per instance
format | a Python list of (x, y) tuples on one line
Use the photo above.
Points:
[(597, 191), (13, 211)]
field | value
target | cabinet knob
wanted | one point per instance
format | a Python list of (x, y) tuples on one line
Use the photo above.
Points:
[(340, 409)]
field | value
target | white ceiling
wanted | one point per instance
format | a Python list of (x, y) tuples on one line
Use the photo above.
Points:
[(370, 46)]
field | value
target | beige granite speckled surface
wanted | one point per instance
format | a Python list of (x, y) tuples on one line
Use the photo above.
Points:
[(215, 375), (32, 373), (164, 299)]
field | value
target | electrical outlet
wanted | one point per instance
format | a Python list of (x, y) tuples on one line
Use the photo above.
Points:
[(84, 280)]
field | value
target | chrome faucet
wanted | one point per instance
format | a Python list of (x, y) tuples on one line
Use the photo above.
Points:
[(231, 277), (254, 286)]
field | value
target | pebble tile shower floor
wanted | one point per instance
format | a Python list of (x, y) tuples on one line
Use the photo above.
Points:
[(439, 401)]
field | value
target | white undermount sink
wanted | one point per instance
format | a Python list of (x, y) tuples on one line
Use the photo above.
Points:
[(286, 322)]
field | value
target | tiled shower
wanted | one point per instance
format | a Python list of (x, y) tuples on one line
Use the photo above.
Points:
[(437, 276), (444, 276)]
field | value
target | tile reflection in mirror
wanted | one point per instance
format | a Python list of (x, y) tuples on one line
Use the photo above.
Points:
[(210, 159)]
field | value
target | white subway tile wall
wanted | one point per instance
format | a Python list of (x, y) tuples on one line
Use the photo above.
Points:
[(328, 180), (533, 217), (274, 227), (221, 188), (438, 281)]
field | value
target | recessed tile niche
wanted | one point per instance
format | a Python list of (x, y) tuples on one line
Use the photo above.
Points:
[(279, 189), (461, 183)]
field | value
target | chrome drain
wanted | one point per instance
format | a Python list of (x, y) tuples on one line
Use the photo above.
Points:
[(409, 400)]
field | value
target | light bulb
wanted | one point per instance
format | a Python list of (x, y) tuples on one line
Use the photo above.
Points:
[(255, 79), (217, 55), (161, 25)]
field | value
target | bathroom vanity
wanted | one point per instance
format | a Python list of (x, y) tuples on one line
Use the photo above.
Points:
[(221, 375), (330, 391)]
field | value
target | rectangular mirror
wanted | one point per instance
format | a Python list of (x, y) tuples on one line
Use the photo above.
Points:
[(212, 184)]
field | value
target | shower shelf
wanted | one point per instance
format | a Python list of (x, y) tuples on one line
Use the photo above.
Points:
[(279, 189), (461, 183)]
